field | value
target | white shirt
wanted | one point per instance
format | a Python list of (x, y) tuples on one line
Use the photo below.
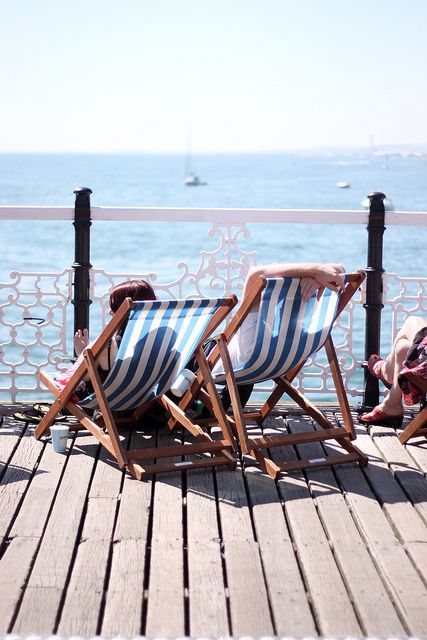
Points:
[(241, 344)]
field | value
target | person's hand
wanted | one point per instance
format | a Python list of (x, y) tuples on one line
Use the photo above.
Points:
[(308, 287), (81, 339), (330, 276)]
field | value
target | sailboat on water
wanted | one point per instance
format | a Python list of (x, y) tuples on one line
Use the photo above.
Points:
[(191, 179)]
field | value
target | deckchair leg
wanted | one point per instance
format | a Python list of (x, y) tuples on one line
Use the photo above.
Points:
[(62, 397), (238, 416), (217, 406), (418, 423), (339, 387), (105, 409), (277, 393), (271, 401), (82, 417), (267, 464), (306, 405), (195, 430)]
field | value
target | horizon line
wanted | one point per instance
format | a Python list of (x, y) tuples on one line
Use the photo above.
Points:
[(355, 148)]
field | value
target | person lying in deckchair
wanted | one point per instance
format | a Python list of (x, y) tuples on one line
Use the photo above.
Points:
[(157, 338), (314, 277), (134, 289)]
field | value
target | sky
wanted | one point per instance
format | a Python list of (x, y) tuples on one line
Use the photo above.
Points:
[(220, 76)]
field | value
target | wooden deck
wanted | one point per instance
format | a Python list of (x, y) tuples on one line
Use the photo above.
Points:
[(87, 550)]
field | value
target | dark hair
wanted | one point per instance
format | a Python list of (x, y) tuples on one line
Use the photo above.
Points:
[(135, 289)]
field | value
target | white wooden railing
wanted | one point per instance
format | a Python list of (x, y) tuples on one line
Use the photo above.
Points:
[(27, 346)]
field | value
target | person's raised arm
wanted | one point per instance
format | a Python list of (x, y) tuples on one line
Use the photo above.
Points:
[(319, 275), (81, 340)]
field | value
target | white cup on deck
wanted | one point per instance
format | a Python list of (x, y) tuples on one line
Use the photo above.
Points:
[(182, 382), (59, 434)]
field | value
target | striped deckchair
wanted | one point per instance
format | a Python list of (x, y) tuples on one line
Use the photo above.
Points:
[(288, 332), (158, 340)]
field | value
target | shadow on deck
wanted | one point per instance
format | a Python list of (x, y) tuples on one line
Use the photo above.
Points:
[(87, 550)]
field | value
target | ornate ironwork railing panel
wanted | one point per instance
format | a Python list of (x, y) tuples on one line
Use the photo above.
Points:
[(34, 319), (29, 345), (402, 297)]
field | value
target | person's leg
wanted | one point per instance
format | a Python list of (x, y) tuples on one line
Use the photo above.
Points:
[(392, 403), (402, 341), (390, 410), (244, 391)]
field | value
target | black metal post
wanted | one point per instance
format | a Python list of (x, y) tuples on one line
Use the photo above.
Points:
[(374, 291), (82, 265)]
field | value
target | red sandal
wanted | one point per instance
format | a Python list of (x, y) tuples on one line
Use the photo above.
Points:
[(375, 370), (377, 416)]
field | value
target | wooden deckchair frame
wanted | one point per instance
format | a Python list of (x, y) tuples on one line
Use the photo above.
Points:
[(256, 446), (133, 460), (417, 426)]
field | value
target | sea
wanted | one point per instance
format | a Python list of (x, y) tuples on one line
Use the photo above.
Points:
[(289, 181), (260, 181)]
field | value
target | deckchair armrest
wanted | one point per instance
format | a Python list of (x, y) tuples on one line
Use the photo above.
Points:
[(358, 276)]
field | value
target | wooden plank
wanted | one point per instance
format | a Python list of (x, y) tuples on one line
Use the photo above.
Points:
[(417, 449), (400, 577), (38, 500), (16, 479), (291, 610), (49, 574), (165, 604), (403, 466), (206, 588), (409, 527), (14, 569), (256, 540), (11, 432), (327, 591), (249, 603), (365, 586), (124, 603), (27, 530), (85, 590), (124, 598)]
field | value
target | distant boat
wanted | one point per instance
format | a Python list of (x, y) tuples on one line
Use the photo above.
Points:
[(343, 185), (388, 205), (193, 181)]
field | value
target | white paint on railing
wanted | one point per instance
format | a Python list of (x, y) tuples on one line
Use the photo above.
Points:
[(219, 215), (8, 212)]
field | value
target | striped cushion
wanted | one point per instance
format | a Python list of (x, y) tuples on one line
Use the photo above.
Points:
[(288, 330), (159, 339)]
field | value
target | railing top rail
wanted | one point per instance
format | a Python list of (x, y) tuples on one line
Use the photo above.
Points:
[(208, 214)]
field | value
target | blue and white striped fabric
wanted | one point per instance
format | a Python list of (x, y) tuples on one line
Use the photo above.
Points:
[(287, 332), (159, 339)]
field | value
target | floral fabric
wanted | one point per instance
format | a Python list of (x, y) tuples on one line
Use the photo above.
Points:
[(416, 363)]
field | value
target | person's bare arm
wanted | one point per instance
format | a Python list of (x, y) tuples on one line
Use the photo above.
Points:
[(323, 275), (107, 355), (81, 340)]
